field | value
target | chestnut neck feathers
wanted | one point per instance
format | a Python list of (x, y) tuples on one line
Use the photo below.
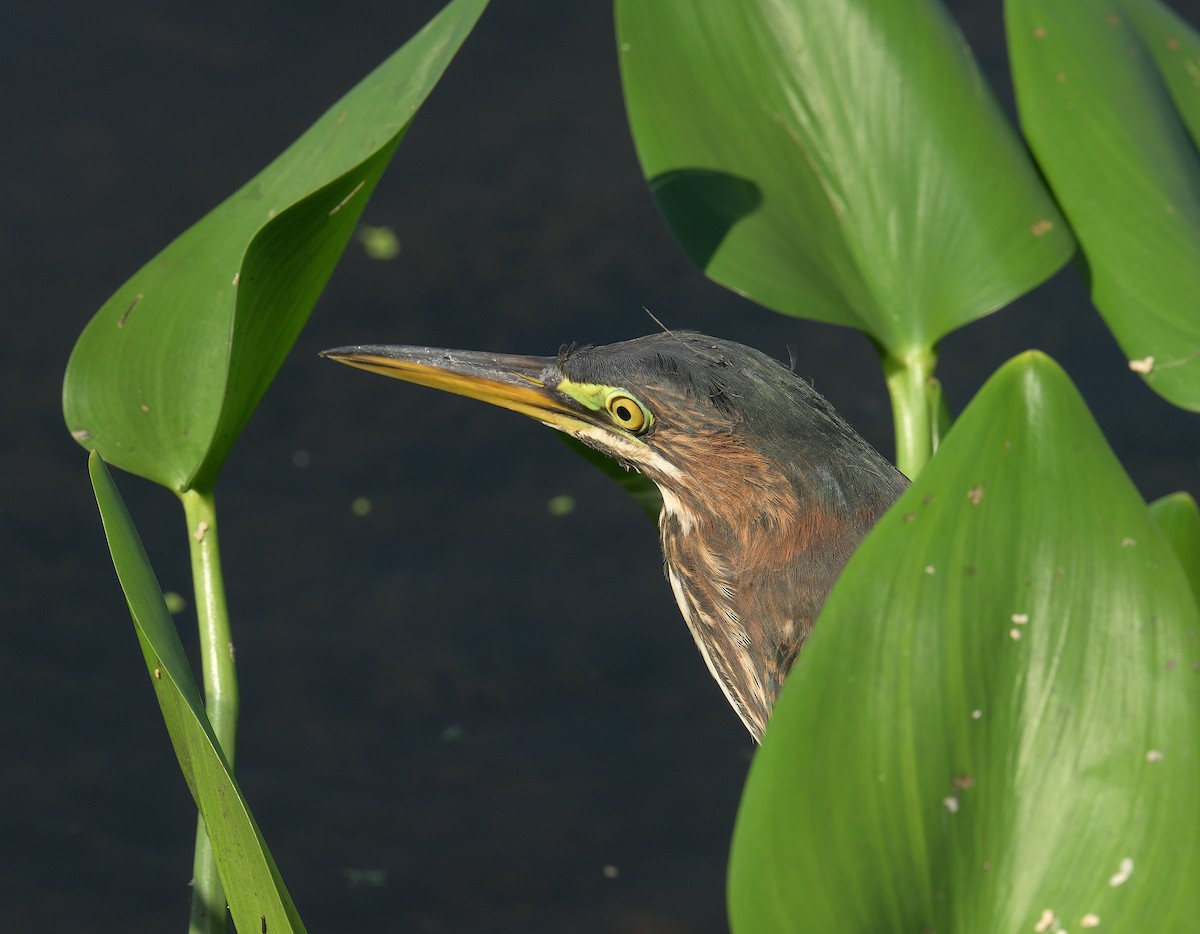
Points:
[(766, 494)]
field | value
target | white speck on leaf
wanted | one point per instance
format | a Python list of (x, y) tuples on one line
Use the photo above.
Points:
[(1020, 618), (201, 529), (1089, 921), (1015, 635), (1128, 542), (1145, 366), (950, 803), (137, 300), (1044, 922), (341, 204), (976, 714), (930, 569), (1121, 876), (1154, 755)]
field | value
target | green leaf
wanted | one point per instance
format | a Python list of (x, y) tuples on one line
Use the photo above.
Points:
[(1179, 520), (258, 899), (1175, 48), (1094, 81), (167, 373), (997, 715), (839, 160)]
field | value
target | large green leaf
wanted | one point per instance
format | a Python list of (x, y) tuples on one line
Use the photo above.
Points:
[(995, 726), (1175, 48), (168, 371), (258, 899), (1094, 82), (840, 160)]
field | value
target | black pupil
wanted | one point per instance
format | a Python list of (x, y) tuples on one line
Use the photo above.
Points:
[(623, 413)]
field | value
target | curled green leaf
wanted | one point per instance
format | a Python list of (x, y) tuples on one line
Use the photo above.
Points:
[(165, 376)]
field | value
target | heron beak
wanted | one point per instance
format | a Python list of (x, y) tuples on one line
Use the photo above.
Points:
[(523, 384)]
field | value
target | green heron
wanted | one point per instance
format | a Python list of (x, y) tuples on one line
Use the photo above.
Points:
[(766, 491)]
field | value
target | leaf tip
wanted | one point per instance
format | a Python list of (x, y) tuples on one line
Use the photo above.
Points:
[(1180, 499), (1035, 370)]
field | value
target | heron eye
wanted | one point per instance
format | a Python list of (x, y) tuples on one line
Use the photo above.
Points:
[(627, 412)]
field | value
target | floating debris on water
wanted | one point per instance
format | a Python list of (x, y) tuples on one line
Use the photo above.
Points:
[(365, 878), (361, 506), (561, 505), (379, 242)]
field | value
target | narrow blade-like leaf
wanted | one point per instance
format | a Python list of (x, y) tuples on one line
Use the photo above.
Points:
[(258, 899), (1098, 112), (167, 373), (995, 726), (840, 160)]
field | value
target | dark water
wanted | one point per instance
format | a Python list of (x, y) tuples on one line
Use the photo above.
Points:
[(459, 710)]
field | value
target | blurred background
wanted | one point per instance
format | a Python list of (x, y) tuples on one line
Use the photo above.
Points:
[(465, 709)]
